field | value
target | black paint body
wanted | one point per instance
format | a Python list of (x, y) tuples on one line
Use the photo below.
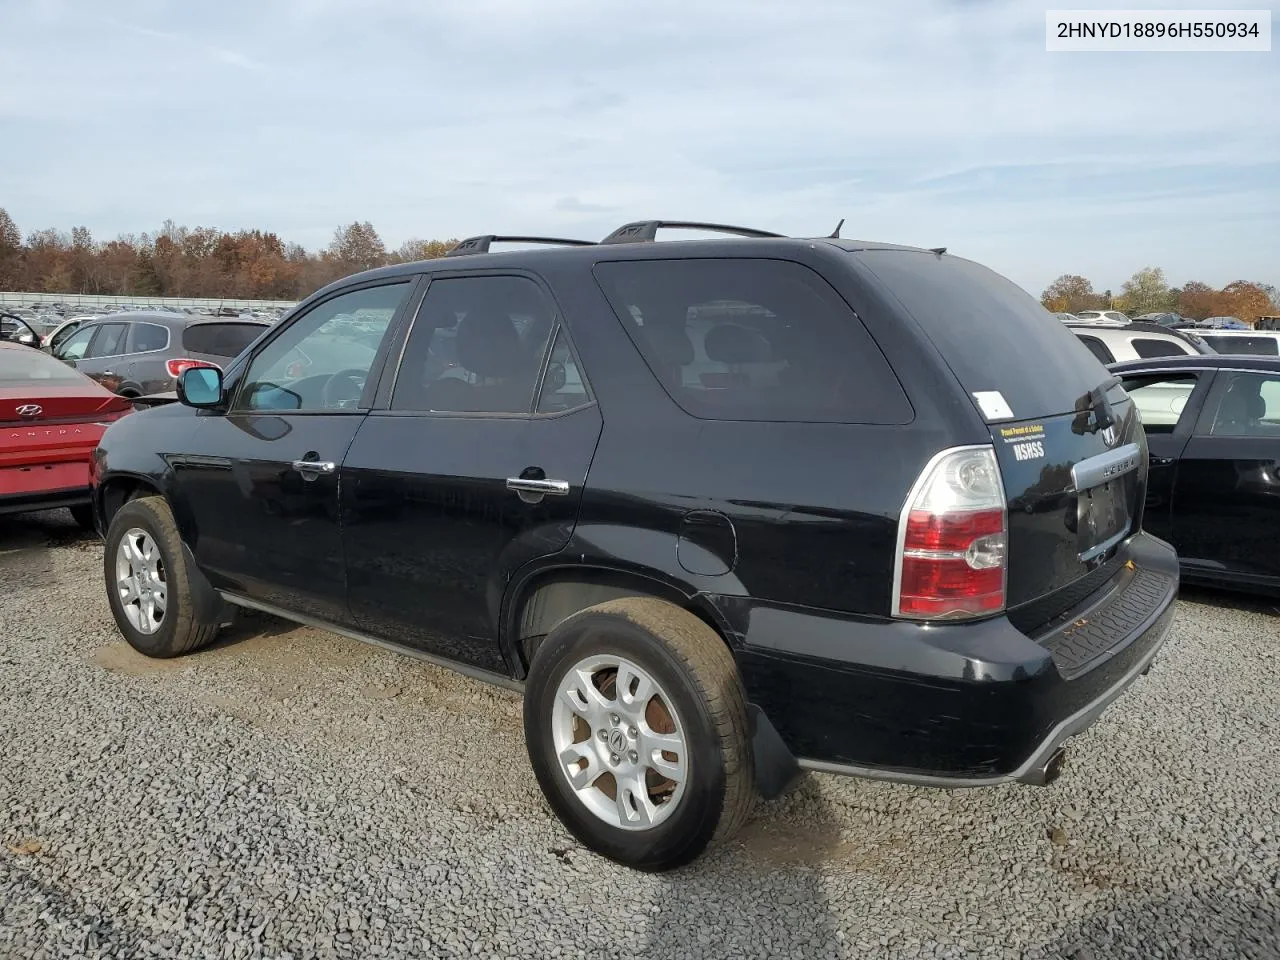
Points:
[(1215, 498), (780, 535)]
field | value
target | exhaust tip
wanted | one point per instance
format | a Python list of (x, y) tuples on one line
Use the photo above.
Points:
[(1053, 766)]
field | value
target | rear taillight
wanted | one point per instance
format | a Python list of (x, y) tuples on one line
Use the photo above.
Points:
[(951, 559), (175, 367)]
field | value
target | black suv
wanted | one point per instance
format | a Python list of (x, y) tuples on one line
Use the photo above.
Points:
[(720, 508)]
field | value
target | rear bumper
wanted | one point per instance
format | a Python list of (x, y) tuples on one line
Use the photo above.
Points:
[(955, 705)]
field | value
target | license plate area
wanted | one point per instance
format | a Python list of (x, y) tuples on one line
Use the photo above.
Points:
[(1103, 518)]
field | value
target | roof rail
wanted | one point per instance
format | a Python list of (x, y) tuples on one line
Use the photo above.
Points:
[(481, 243), (646, 231)]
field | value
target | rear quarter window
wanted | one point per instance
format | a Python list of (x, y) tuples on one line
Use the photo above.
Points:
[(753, 339), (993, 334), (1149, 347), (1097, 348), (220, 339)]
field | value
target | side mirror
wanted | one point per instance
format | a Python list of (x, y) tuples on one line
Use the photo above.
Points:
[(200, 387), (28, 338)]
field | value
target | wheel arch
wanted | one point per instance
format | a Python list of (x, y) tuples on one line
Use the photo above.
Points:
[(547, 596), (118, 489)]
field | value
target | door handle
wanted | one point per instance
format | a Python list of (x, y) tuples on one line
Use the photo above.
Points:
[(532, 491), (314, 468)]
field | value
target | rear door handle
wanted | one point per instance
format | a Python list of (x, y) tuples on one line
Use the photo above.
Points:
[(1160, 461), (310, 469), (532, 491)]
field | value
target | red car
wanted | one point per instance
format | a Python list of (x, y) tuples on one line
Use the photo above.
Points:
[(51, 418)]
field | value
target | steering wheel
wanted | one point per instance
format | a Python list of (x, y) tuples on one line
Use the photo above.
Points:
[(351, 378)]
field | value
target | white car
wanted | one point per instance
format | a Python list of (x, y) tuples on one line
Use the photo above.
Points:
[(1137, 341), (1102, 316)]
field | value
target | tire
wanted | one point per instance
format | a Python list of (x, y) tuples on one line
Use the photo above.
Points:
[(177, 630), (694, 670), (82, 514)]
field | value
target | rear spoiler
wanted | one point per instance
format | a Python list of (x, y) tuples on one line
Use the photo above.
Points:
[(156, 399)]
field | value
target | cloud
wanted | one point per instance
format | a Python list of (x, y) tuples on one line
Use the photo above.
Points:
[(925, 121)]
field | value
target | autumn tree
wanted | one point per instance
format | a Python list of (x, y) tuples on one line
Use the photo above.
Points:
[(10, 251), (1245, 301), (1146, 291), (1070, 293), (413, 250), (1197, 300), (357, 247)]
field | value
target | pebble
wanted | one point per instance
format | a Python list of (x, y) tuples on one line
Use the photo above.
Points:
[(244, 802)]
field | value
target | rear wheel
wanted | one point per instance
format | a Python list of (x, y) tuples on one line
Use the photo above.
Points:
[(147, 582), (636, 726)]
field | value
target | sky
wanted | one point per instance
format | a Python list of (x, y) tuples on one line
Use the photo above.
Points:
[(917, 121)]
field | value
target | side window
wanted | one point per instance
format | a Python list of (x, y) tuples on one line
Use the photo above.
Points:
[(753, 339), (1097, 348), (322, 359), (149, 336), (62, 335), (1249, 406), (76, 345), (563, 388), (110, 340), (1160, 400), (1149, 347), (476, 346)]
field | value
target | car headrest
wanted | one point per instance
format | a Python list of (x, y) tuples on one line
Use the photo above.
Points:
[(489, 344), (731, 343)]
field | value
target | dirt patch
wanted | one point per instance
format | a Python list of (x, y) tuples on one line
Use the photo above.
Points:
[(122, 658)]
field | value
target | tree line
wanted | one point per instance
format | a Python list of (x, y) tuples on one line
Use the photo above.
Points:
[(180, 261), (1147, 291)]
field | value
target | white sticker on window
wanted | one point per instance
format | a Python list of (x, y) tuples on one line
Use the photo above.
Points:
[(993, 405)]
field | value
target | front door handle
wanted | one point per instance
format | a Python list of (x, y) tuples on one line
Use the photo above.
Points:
[(310, 469), (532, 491)]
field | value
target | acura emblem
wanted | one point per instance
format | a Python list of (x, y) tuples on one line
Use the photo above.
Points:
[(1109, 435), (30, 411)]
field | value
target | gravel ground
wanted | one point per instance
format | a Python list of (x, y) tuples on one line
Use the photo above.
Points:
[(293, 794)]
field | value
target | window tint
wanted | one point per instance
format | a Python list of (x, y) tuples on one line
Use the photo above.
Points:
[(563, 387), (1148, 347), (1249, 406), (1160, 400), (322, 359), (748, 339), (1097, 348), (220, 339), (992, 333), (75, 346), (476, 347), (1260, 346), (110, 340), (149, 336)]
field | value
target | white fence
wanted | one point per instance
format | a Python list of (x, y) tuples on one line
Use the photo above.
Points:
[(10, 300)]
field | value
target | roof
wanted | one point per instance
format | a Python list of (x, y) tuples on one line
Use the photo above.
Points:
[(1211, 361)]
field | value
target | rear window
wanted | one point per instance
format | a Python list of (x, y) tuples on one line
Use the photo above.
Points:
[(1149, 347), (993, 334), (1262, 346), (220, 339), (1097, 348), (23, 365), (753, 339)]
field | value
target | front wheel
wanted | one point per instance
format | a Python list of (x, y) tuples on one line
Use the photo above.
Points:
[(147, 583), (636, 725)]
